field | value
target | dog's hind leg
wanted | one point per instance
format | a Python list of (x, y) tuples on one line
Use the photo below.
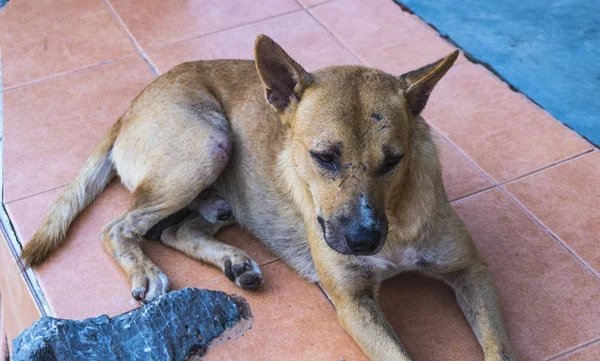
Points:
[(122, 238), (167, 163), (194, 237)]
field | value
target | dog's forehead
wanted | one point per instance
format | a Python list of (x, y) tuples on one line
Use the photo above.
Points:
[(353, 105), (353, 79), (349, 93)]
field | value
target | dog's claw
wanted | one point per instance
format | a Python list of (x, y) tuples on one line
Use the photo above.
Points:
[(243, 271), (149, 284), (249, 281), (139, 293)]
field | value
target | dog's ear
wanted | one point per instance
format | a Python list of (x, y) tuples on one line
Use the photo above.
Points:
[(283, 78), (418, 84)]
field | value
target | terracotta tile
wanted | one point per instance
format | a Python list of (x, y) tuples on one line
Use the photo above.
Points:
[(19, 309), (154, 22), (41, 38), (549, 300), (587, 353), (461, 177), (427, 319), (382, 35), (504, 133), (292, 321), (90, 268), (309, 44), (51, 127), (79, 280), (565, 199)]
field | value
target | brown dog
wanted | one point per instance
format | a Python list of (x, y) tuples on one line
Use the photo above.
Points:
[(336, 173)]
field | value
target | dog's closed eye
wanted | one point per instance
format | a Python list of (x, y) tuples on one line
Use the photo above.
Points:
[(325, 160), (390, 163)]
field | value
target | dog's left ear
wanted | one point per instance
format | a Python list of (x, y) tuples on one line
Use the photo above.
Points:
[(418, 84), (283, 78)]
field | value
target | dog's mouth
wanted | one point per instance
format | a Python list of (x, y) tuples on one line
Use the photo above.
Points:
[(337, 239)]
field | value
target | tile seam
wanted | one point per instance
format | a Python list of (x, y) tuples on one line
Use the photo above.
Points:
[(574, 350), (35, 194), (461, 152), (131, 37), (72, 71), (240, 26), (556, 238), (332, 34), (548, 167)]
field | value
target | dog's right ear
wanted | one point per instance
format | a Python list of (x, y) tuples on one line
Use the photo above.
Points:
[(283, 78)]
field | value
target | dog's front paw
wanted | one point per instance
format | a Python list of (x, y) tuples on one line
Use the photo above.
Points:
[(148, 283), (242, 270)]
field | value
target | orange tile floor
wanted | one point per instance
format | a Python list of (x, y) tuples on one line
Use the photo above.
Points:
[(527, 187)]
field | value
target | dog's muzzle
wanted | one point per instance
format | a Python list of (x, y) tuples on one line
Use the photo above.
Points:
[(353, 237)]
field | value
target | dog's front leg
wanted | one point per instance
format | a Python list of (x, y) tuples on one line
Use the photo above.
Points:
[(476, 295), (363, 320), (353, 292)]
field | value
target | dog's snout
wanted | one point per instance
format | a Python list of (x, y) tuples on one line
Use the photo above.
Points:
[(364, 240), (358, 229), (224, 215)]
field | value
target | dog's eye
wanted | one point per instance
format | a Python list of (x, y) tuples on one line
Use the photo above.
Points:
[(391, 163), (325, 160)]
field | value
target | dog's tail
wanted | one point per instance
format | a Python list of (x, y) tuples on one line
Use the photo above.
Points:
[(95, 175)]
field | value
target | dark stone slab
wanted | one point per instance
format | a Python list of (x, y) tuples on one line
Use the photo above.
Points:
[(177, 326)]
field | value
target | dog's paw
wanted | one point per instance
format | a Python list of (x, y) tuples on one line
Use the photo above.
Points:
[(243, 271), (148, 283)]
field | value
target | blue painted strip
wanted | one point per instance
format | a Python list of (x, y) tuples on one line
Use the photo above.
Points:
[(548, 49)]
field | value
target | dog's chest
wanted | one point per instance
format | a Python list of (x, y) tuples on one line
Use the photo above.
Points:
[(392, 261)]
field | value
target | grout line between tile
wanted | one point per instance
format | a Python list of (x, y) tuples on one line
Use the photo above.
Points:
[(579, 259), (508, 182), (314, 6), (131, 37), (149, 50), (44, 79), (473, 194), (333, 35), (36, 194), (461, 152), (489, 177), (574, 350)]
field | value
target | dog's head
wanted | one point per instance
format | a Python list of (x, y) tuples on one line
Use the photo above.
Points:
[(350, 129)]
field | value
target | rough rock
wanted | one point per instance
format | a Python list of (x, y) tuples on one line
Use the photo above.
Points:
[(180, 325)]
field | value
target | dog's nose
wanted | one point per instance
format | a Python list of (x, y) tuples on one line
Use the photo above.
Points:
[(224, 215), (364, 240)]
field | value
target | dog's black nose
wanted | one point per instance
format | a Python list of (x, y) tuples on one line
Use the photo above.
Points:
[(364, 240), (224, 215)]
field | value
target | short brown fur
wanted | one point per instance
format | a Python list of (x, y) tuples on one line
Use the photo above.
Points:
[(336, 172)]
